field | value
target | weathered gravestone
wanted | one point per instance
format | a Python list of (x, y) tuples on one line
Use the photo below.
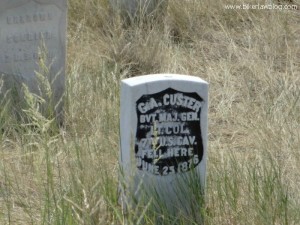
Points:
[(31, 31), (163, 125), (140, 8)]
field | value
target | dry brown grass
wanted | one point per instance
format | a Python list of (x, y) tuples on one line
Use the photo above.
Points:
[(251, 58)]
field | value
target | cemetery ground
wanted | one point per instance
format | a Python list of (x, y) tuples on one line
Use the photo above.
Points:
[(251, 58)]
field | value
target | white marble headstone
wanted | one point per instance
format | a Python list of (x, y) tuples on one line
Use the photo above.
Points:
[(25, 27), (163, 131), (140, 7)]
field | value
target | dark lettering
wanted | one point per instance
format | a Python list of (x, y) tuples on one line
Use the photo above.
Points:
[(168, 132)]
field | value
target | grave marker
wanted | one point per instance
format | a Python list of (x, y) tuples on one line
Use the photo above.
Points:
[(27, 27), (163, 125), (135, 8)]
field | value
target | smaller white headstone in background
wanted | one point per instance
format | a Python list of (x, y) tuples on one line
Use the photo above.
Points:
[(136, 8), (26, 28), (163, 125)]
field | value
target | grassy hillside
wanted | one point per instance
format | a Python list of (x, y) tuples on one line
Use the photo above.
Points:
[(251, 58)]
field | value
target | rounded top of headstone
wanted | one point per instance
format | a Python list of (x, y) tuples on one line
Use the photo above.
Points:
[(133, 81), (8, 4)]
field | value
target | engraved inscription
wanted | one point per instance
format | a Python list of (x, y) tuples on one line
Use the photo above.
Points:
[(23, 33), (23, 56), (168, 138), (38, 17), (28, 36)]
